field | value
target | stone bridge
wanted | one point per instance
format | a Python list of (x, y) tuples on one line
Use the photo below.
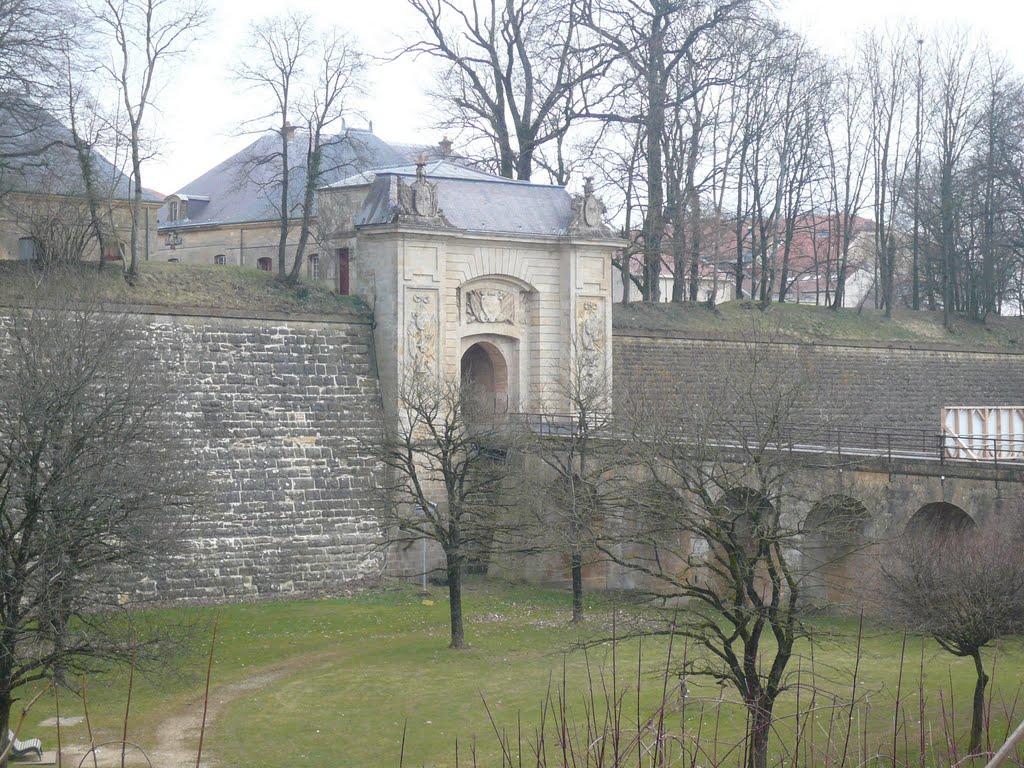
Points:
[(886, 484)]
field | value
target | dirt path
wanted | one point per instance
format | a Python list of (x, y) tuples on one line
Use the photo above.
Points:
[(177, 737)]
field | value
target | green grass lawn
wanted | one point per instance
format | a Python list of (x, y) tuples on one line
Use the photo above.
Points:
[(343, 677)]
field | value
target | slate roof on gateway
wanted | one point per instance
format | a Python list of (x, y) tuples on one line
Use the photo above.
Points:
[(473, 200), (242, 188)]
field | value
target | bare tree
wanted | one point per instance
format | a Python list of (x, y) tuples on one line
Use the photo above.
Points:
[(309, 78), (646, 44), (60, 228), (445, 465), (709, 486), (95, 489), (517, 74), (573, 446), (27, 48), (954, 119), (90, 128), (962, 588), (144, 35), (845, 171)]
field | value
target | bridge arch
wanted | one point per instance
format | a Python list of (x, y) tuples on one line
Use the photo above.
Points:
[(745, 510), (834, 534), (939, 518)]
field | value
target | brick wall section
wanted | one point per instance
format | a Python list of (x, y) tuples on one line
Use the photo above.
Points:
[(874, 386), (276, 408)]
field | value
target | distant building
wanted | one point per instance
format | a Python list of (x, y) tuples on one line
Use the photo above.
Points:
[(43, 203), (813, 264), (229, 215)]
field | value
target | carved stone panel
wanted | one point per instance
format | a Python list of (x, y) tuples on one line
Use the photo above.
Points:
[(421, 331), (590, 337), (491, 305)]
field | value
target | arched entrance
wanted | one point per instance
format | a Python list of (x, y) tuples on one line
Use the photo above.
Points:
[(484, 375)]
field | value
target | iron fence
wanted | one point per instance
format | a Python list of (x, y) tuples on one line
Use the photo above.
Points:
[(840, 440)]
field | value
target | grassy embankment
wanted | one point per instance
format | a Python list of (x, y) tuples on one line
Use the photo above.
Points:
[(808, 323), (176, 286), (341, 678)]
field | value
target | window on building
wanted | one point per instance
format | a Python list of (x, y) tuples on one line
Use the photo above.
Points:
[(220, 259), (264, 264), (26, 249), (343, 266), (174, 211), (314, 267)]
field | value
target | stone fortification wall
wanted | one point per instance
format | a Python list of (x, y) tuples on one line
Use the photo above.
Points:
[(276, 409), (883, 386)]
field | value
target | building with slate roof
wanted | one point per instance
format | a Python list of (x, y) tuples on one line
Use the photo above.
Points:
[(229, 215), (43, 192), (467, 273), (473, 274), (472, 277)]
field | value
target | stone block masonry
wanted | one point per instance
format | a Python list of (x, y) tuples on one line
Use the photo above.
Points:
[(864, 385), (279, 410)]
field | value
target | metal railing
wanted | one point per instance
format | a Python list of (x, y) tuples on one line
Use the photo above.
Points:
[(839, 440)]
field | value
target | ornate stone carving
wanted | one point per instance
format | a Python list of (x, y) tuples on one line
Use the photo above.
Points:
[(588, 213), (591, 327), (590, 339), (417, 202), (491, 305), (422, 334)]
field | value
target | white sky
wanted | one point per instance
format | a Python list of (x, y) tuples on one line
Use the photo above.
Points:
[(201, 109)]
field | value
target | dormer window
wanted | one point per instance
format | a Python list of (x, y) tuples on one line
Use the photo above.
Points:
[(181, 207)]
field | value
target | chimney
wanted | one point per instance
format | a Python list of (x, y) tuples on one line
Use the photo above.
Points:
[(289, 130), (446, 147)]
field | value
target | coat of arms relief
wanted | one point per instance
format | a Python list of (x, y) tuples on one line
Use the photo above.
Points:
[(491, 305)]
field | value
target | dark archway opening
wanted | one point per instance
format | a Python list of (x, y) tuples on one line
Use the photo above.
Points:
[(748, 516), (939, 519), (484, 381), (833, 538)]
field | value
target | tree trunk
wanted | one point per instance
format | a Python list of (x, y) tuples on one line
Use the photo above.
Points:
[(759, 719), (978, 707), (654, 222), (739, 230), (577, 587), (5, 717), (282, 223), (133, 266), (314, 156), (454, 563)]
